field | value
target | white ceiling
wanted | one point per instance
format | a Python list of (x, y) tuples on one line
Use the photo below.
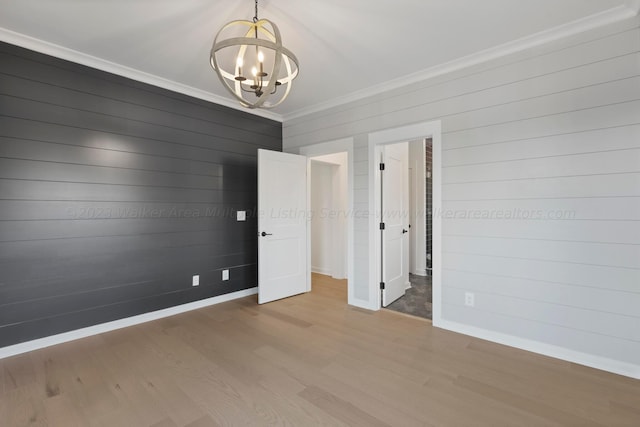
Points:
[(344, 47)]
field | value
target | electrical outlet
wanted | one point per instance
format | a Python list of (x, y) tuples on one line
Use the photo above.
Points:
[(225, 274), (469, 299), (241, 215), (196, 280)]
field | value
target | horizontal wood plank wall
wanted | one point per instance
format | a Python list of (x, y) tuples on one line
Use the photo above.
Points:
[(541, 187), (114, 193)]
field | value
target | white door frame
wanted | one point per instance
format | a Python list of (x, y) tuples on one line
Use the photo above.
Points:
[(332, 147), (389, 136)]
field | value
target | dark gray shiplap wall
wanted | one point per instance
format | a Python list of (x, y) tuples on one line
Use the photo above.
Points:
[(113, 193)]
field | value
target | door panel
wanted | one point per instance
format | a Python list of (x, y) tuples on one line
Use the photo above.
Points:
[(282, 225), (395, 206)]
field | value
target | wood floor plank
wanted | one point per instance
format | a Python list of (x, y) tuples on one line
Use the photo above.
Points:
[(2, 386), (18, 372), (534, 376), (256, 382), (271, 330), (167, 422), (534, 407), (203, 380), (22, 408), (52, 372), (182, 409), (534, 382), (205, 421), (220, 398), (4, 415), (295, 366), (424, 402), (96, 401), (303, 361), (62, 412), (340, 408)]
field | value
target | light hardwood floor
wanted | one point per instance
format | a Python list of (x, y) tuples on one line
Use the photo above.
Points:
[(303, 361)]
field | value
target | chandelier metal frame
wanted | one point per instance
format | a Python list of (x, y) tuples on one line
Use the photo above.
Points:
[(261, 84)]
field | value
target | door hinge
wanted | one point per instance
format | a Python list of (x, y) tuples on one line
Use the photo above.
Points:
[(382, 226), (382, 285), (381, 166)]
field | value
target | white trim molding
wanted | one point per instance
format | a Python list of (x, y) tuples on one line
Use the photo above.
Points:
[(609, 16), (606, 17), (597, 362), (321, 270), (38, 344), (81, 58)]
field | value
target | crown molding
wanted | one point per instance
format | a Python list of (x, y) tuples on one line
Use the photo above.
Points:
[(619, 13), (609, 16), (81, 58)]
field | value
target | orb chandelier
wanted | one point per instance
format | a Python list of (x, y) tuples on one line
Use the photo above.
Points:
[(255, 46)]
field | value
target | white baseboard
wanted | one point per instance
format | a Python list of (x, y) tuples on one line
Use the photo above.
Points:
[(593, 361), (321, 270), (28, 346), (420, 272), (364, 304)]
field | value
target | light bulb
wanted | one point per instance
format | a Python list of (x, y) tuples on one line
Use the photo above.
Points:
[(240, 62), (261, 62), (254, 71)]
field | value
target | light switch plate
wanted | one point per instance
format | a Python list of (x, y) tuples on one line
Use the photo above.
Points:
[(241, 215), (196, 280), (225, 274)]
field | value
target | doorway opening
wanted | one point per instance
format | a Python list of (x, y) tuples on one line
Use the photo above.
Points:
[(331, 232), (404, 280), (328, 202), (418, 297), (425, 265), (284, 204)]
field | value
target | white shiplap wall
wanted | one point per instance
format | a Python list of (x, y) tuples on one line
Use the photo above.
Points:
[(361, 249), (553, 130), (321, 190)]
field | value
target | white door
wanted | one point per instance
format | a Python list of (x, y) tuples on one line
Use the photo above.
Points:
[(395, 215), (282, 226)]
